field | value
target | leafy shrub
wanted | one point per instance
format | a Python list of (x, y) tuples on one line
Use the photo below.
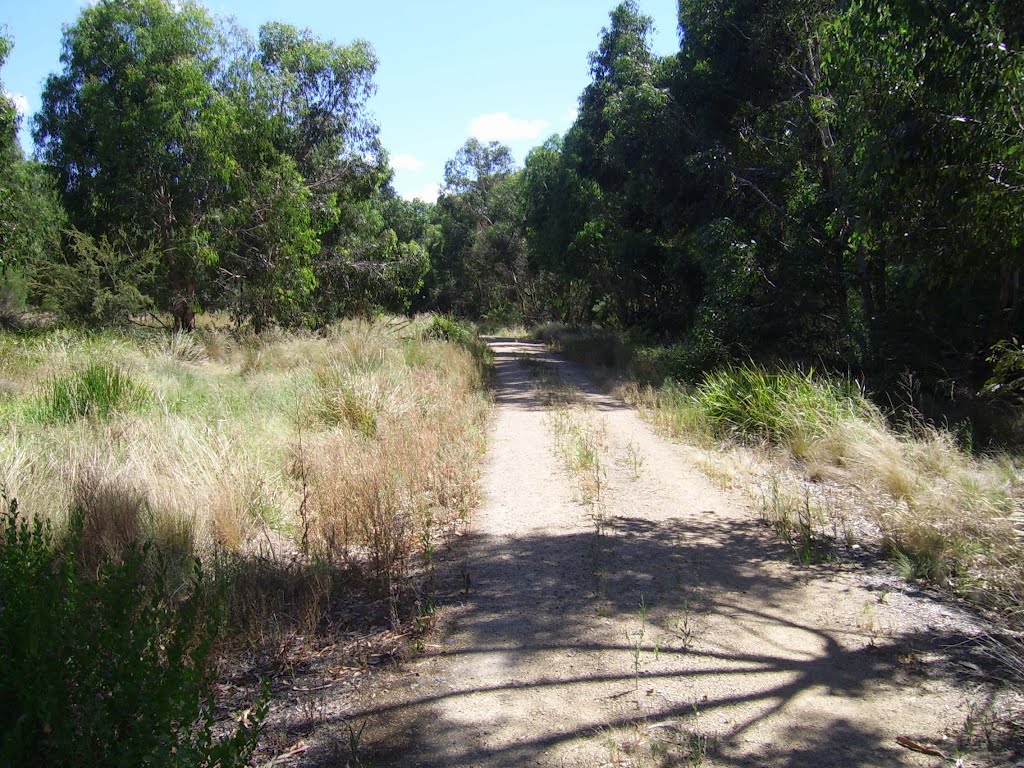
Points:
[(100, 283), (112, 669), (444, 328), (1007, 359), (97, 391)]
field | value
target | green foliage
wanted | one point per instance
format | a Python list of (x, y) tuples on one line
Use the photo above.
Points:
[(837, 185), (31, 223), (98, 391), (479, 263), (786, 407), (99, 283), (925, 102), (111, 668), (1007, 359), (251, 174), (135, 129), (31, 218), (446, 328)]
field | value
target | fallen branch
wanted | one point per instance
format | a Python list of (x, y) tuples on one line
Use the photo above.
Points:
[(915, 746)]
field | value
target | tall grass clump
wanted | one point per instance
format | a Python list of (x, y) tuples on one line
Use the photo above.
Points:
[(397, 468), (784, 407), (98, 390)]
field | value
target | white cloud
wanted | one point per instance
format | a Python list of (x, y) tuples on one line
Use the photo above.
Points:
[(427, 194), (500, 126), (406, 163), (20, 102)]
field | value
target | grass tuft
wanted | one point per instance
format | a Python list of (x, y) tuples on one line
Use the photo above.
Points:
[(785, 407), (97, 391)]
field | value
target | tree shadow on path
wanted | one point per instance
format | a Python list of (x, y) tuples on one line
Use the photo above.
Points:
[(741, 669), (693, 621)]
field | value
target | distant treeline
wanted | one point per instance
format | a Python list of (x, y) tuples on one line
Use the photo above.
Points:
[(839, 183)]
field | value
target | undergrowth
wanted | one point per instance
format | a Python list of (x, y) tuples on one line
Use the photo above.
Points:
[(109, 664), (293, 460)]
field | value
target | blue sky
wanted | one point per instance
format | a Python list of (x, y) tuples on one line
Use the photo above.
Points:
[(449, 69)]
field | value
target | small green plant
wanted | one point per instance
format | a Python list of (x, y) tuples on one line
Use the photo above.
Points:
[(580, 446), (446, 328), (355, 739), (97, 391), (696, 743), (683, 626), (634, 459), (796, 521), (341, 404), (635, 639)]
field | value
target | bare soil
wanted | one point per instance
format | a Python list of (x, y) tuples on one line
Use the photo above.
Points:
[(664, 625)]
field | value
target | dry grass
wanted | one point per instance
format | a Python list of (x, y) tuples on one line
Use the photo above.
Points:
[(944, 515), (358, 446)]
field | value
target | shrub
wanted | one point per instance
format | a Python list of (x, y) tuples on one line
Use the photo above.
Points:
[(97, 391), (111, 670), (444, 328), (100, 283)]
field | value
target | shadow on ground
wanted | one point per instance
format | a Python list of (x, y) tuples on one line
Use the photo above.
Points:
[(518, 365), (703, 569), (727, 650)]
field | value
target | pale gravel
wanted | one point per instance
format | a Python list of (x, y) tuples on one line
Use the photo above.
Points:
[(775, 664)]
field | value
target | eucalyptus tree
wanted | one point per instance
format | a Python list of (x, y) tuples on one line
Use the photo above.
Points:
[(931, 138), (315, 184), (135, 130), (250, 168), (31, 218), (478, 264)]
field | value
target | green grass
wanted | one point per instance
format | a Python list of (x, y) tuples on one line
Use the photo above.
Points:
[(785, 407), (97, 391)]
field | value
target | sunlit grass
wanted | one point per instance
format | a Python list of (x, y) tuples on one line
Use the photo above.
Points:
[(943, 515), (343, 446)]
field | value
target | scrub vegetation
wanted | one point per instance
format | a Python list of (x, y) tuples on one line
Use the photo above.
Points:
[(258, 485), (797, 239)]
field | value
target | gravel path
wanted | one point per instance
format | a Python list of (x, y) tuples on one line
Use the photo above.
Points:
[(672, 631)]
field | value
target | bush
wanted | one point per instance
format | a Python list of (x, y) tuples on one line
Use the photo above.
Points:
[(111, 668), (100, 283), (444, 328), (97, 391)]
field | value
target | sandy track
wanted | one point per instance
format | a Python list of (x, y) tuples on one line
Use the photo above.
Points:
[(547, 657)]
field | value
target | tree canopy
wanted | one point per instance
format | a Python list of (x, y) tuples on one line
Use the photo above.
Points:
[(836, 183)]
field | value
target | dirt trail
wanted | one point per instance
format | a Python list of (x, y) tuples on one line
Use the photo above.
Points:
[(548, 658)]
